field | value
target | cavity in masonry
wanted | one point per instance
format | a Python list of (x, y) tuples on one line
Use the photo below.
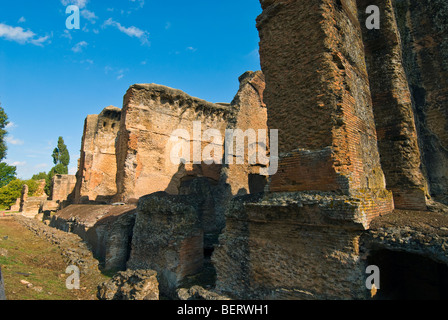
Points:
[(234, 145)]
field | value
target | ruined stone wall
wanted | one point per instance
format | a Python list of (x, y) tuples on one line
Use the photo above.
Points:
[(272, 249), (40, 192), (63, 186), (250, 114), (151, 113), (423, 29), (16, 206), (97, 165), (168, 238), (300, 240), (107, 229), (392, 105), (320, 85), (31, 206)]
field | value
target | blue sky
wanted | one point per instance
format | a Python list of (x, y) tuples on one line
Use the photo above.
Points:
[(51, 78)]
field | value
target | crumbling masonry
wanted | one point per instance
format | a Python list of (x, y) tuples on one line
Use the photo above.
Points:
[(362, 119)]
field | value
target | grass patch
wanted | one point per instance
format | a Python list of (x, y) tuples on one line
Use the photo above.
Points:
[(25, 256)]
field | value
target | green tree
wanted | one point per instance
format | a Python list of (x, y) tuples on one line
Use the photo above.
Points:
[(61, 155), (3, 123), (7, 174), (40, 176), (11, 192), (61, 159)]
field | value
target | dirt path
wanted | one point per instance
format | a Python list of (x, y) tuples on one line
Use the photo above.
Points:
[(34, 258)]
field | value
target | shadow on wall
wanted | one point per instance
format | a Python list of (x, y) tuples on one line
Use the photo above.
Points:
[(177, 231)]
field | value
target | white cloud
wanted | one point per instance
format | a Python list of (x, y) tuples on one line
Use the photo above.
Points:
[(89, 15), (79, 46), (67, 35), (14, 141), (121, 73), (116, 72), (18, 34), (167, 25), (18, 163), (130, 31), (22, 20), (80, 3), (141, 3), (40, 41), (192, 49)]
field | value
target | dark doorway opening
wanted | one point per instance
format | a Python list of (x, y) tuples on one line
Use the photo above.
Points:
[(408, 276), (257, 183)]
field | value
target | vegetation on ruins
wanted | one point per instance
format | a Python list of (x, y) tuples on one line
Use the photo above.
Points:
[(13, 191), (40, 176)]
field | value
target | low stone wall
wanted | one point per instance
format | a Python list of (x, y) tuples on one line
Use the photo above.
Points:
[(421, 233), (106, 228), (32, 206), (292, 246), (168, 238)]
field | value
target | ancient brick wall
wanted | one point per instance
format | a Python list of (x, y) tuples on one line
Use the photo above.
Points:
[(300, 241), (318, 97), (392, 105), (151, 113), (168, 238), (30, 206), (320, 85), (40, 192), (16, 206), (286, 246), (98, 165), (250, 114), (423, 28), (106, 228), (63, 186)]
